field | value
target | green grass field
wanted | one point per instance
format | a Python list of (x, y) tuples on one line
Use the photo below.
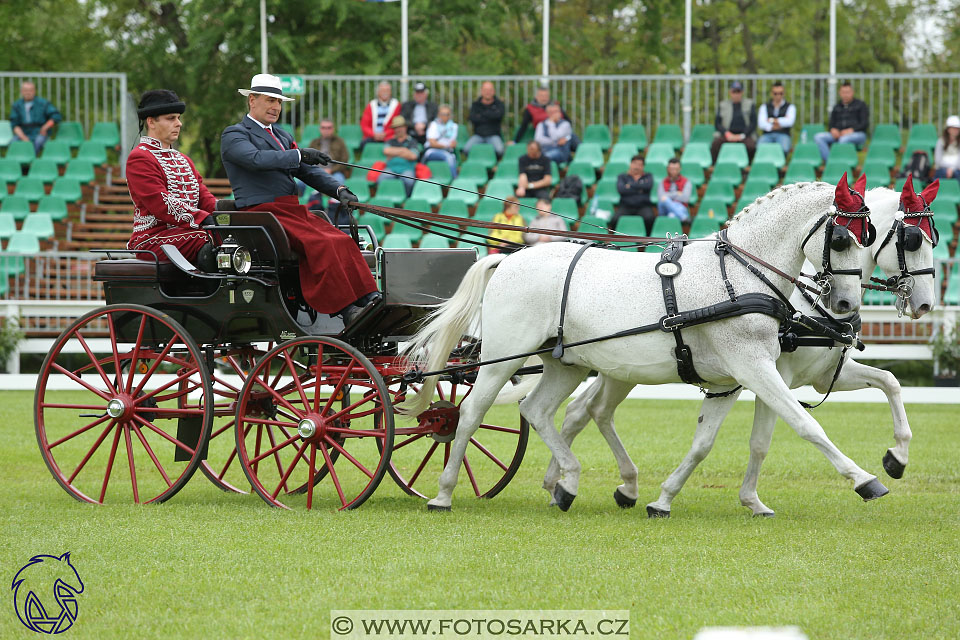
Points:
[(214, 565)]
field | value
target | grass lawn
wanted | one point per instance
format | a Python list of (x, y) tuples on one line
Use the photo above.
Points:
[(213, 565)]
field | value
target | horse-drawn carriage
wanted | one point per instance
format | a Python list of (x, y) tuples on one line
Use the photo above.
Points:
[(232, 372)]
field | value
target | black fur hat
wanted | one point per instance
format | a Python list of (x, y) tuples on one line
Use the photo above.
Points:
[(158, 102)]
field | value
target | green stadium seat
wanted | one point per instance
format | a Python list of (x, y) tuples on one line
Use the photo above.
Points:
[(623, 152), (833, 171), (898, 185), (589, 153), (716, 206), (8, 227), (697, 153), (769, 153), (20, 242), (53, 206), (6, 134), (755, 186), (402, 230), (431, 193), (56, 151), (475, 172), (944, 213), (762, 171), (286, 126), (44, 170), (487, 208), (21, 151), (843, 153), (507, 172), (809, 130), (727, 172), (734, 152), (911, 148), (664, 225), (949, 191), (372, 220), (880, 154), (359, 186), (393, 191), (669, 134), (414, 203), (432, 241), (10, 172), (612, 170), (608, 191), (590, 224), (40, 225), (634, 134), (952, 296), (659, 153), (352, 135), (107, 134), (93, 151), (68, 189), (499, 189), (599, 134), (483, 154), (604, 207), (30, 188), (703, 226), (922, 135), (372, 152), (806, 153), (800, 172), (693, 173), (878, 174), (454, 208), (70, 132), (468, 198), (702, 133), (722, 191), (513, 153), (566, 207), (584, 171), (632, 226), (387, 201), (527, 136), (528, 207), (462, 136), (886, 136), (397, 241), (310, 133), (440, 171)]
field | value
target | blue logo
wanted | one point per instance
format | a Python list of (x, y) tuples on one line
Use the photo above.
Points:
[(45, 593)]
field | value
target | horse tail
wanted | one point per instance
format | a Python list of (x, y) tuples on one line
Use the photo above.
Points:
[(432, 344)]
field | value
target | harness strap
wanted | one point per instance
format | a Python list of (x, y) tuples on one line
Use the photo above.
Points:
[(836, 375), (558, 349), (727, 248), (682, 352)]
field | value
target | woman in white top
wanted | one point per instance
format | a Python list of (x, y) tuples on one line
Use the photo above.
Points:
[(442, 140), (946, 155)]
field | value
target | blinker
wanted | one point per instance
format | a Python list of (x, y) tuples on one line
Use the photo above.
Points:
[(912, 238), (840, 239)]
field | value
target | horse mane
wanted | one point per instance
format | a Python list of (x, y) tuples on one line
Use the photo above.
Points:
[(776, 192)]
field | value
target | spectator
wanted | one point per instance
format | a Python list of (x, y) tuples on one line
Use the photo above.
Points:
[(946, 155), (775, 119), (536, 112), (419, 113), (442, 140), (32, 118), (486, 115), (634, 187), (673, 194), (378, 114), (554, 135), (736, 121), (402, 152), (334, 146), (509, 215), (545, 220), (849, 121), (534, 177)]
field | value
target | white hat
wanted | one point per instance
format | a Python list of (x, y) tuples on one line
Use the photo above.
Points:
[(953, 121), (265, 84)]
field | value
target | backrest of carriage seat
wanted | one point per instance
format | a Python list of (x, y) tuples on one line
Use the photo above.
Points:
[(422, 277), (255, 240)]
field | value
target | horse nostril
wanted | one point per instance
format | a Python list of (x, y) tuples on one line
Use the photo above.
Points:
[(923, 310), (843, 306)]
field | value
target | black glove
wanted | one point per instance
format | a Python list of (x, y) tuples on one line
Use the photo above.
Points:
[(209, 221), (346, 196), (313, 156)]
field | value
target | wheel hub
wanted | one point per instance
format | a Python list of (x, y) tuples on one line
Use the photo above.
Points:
[(311, 427), (116, 408), (441, 420)]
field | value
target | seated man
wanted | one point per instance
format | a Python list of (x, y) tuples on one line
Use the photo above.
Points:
[(554, 135), (673, 193), (335, 147), (32, 117), (486, 116), (775, 119), (442, 140), (634, 187), (849, 121), (535, 112), (535, 177), (736, 121), (261, 162), (171, 201), (545, 219), (376, 118), (402, 152), (419, 113)]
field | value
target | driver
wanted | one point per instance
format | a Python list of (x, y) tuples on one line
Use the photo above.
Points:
[(261, 161)]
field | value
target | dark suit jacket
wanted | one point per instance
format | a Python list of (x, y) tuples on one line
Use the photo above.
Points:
[(260, 172), (406, 110)]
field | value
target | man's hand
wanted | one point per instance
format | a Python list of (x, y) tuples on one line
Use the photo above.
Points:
[(730, 137), (346, 196), (835, 133), (379, 136), (313, 156)]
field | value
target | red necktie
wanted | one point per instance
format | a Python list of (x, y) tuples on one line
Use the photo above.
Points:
[(280, 144)]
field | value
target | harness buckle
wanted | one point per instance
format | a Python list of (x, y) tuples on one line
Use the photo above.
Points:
[(671, 322)]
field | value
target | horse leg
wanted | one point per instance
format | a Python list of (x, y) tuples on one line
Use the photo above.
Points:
[(540, 408), (764, 380), (712, 413), (764, 420), (575, 419), (860, 376)]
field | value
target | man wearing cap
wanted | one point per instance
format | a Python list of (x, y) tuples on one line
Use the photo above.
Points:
[(171, 202), (402, 152), (261, 161), (375, 121), (736, 121), (419, 113)]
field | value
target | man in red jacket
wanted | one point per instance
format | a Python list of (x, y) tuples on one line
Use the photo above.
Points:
[(376, 118)]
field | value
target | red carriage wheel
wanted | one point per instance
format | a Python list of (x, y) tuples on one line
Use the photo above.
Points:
[(293, 427), (123, 418), (421, 451)]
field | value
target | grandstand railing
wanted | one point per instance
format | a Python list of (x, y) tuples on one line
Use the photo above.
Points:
[(650, 100), (87, 98)]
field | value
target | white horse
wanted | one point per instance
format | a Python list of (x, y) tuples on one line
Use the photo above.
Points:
[(815, 366), (612, 291)]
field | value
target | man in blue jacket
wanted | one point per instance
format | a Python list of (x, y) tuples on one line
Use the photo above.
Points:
[(261, 161), (32, 118)]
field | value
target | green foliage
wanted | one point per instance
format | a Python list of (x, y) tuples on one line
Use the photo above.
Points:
[(946, 351), (10, 337)]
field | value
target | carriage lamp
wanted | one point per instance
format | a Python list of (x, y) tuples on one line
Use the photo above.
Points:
[(233, 257)]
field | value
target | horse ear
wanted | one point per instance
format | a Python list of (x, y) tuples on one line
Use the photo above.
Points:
[(65, 557), (841, 196), (842, 185), (908, 197), (930, 192), (860, 186)]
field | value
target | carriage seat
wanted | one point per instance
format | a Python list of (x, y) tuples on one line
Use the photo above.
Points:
[(134, 269)]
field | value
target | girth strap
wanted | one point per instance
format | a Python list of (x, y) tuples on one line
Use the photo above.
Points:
[(668, 268), (558, 349)]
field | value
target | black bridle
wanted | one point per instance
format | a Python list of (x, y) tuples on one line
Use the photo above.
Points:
[(908, 238), (839, 237)]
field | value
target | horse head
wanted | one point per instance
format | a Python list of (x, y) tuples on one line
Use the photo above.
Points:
[(55, 578)]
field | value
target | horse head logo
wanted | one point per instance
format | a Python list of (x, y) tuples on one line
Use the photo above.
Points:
[(57, 581)]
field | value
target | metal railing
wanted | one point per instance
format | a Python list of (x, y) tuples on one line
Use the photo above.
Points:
[(650, 100)]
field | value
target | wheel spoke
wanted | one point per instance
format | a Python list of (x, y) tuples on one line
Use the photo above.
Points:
[(333, 473), (153, 457), (113, 454), (283, 479), (408, 440), (153, 367), (93, 449), (118, 370), (163, 434), (96, 364), (317, 377), (276, 457), (311, 474), (473, 481), (219, 431), (492, 427), (347, 410), (171, 411), (423, 464), (99, 420), (133, 468), (136, 354), (269, 423), (276, 395), (355, 433), (453, 393), (273, 450), (233, 454), (296, 379), (349, 457), (337, 389), (81, 382), (177, 380), (486, 452)]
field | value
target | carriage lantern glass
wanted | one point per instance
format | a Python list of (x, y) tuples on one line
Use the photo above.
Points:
[(233, 257)]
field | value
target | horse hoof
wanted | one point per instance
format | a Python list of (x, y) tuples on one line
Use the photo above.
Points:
[(764, 514), (653, 512), (437, 507), (563, 498), (892, 466), (623, 501), (872, 490)]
